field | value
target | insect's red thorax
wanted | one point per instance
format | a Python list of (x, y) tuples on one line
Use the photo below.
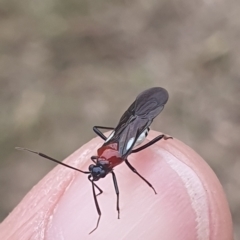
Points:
[(110, 154)]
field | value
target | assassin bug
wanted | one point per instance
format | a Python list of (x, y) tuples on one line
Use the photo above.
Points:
[(130, 132)]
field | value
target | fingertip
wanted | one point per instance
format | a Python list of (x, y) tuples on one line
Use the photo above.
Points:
[(190, 203)]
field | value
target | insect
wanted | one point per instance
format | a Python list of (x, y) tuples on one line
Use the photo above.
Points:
[(130, 132)]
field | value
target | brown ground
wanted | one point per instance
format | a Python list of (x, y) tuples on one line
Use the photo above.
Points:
[(68, 65)]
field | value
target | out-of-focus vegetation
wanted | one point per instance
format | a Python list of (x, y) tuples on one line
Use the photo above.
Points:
[(68, 65)]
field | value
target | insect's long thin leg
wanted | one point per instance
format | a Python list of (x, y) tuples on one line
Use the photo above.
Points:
[(99, 189), (96, 204), (156, 139), (117, 192), (135, 171), (50, 158), (94, 158), (99, 133)]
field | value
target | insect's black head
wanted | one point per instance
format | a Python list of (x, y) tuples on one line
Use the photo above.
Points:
[(97, 172)]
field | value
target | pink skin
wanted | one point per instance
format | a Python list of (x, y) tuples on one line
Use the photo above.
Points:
[(190, 203)]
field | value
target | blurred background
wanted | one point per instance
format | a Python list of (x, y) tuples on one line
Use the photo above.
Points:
[(66, 66)]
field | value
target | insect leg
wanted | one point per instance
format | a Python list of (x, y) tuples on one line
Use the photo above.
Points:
[(100, 190), (135, 171), (117, 192), (156, 139), (96, 204), (94, 158), (99, 133)]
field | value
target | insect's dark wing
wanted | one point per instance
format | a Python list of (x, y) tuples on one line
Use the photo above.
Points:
[(151, 102), (137, 118)]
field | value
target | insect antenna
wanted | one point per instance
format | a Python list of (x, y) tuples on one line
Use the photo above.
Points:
[(51, 159)]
